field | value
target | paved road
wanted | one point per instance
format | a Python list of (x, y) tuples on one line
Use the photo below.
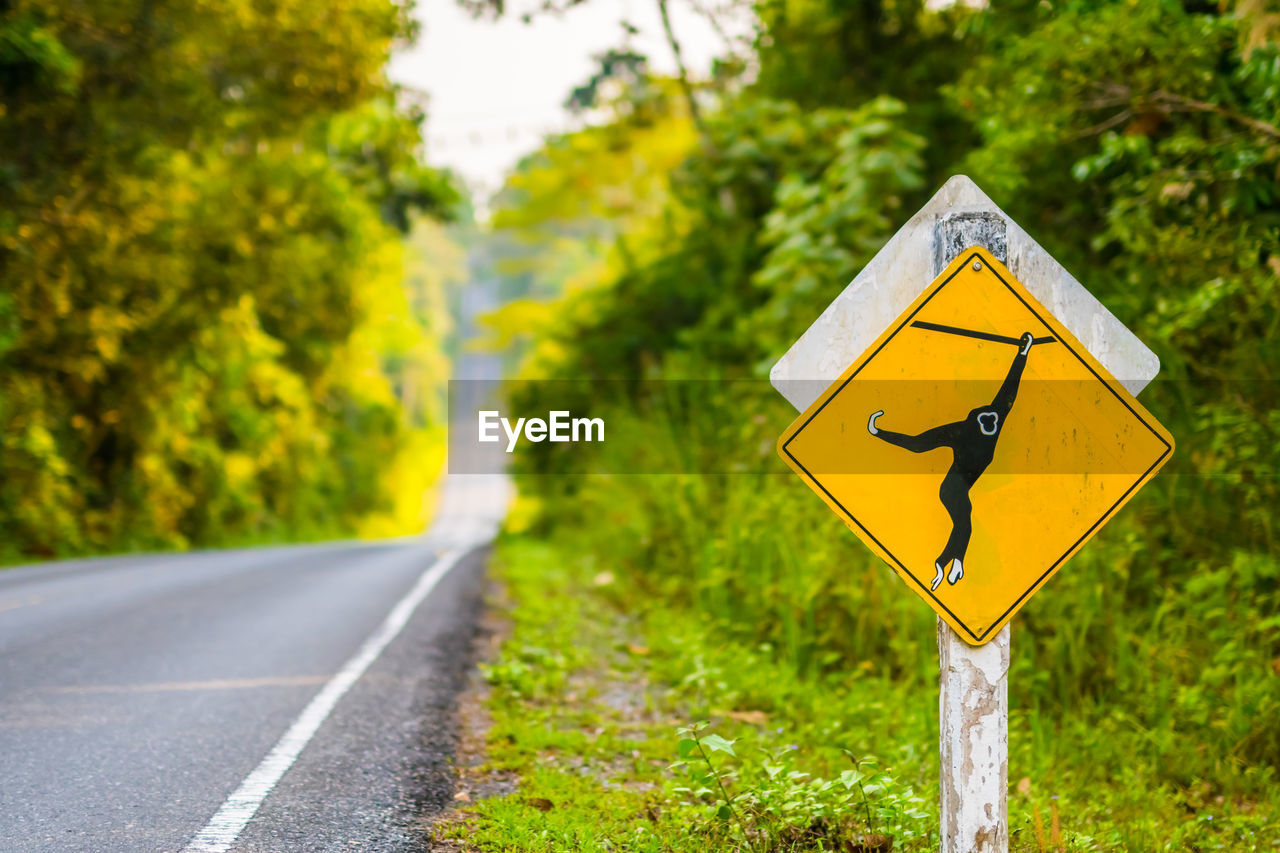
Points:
[(137, 694), (267, 700)]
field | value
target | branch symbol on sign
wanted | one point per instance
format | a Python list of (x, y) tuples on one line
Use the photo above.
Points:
[(973, 446)]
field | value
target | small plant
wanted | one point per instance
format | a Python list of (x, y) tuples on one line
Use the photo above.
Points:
[(697, 743), (788, 809), (528, 671)]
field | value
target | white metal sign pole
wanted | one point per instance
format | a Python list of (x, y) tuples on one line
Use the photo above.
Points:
[(973, 703)]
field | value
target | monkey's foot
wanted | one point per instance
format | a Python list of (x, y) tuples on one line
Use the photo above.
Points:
[(957, 572), (937, 580)]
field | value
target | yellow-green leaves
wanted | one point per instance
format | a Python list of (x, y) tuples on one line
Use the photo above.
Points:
[(201, 271)]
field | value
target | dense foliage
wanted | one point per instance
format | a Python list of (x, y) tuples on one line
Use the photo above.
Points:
[(199, 264), (1140, 143)]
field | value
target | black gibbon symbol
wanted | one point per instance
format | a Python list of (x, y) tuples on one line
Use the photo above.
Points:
[(973, 445)]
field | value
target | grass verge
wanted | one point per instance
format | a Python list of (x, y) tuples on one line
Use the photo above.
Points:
[(631, 725)]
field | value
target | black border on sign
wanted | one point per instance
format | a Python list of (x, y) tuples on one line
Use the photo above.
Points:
[(1106, 515)]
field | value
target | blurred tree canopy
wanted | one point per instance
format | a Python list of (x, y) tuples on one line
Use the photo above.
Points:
[(200, 207)]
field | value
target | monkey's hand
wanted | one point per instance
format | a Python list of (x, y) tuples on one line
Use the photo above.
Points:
[(871, 424)]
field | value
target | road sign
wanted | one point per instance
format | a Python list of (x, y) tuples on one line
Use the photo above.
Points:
[(973, 679), (976, 444)]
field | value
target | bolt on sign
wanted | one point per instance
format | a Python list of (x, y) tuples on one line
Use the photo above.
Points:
[(976, 445)]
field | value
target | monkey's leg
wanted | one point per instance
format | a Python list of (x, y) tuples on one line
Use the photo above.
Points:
[(954, 494)]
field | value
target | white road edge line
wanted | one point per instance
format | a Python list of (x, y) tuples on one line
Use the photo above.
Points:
[(225, 827)]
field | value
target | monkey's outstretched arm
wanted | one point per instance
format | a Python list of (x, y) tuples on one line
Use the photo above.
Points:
[(930, 439), (1004, 398)]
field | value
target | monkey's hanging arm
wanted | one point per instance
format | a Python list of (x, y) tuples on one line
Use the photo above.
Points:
[(1003, 401)]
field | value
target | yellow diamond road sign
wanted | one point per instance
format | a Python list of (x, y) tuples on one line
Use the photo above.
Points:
[(976, 445)]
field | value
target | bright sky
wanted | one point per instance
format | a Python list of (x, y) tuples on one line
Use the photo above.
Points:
[(496, 87)]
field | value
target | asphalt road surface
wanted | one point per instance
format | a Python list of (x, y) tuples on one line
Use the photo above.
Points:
[(271, 699)]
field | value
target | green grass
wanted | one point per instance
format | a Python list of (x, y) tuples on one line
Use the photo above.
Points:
[(598, 677)]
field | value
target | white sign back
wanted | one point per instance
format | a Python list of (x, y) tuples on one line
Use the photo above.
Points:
[(904, 268)]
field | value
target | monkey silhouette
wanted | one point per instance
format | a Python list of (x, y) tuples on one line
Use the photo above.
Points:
[(973, 446)]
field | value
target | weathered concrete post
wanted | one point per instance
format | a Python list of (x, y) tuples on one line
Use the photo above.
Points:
[(973, 703)]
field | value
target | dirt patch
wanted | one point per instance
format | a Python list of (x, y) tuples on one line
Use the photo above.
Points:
[(473, 781)]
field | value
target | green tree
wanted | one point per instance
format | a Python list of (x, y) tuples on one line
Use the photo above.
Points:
[(199, 204)]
